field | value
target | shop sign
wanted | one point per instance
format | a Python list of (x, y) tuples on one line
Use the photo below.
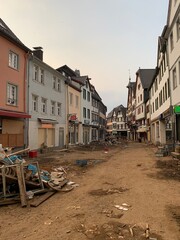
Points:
[(177, 109), (73, 117)]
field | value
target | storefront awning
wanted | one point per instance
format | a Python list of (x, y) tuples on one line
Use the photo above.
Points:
[(45, 120), (14, 114)]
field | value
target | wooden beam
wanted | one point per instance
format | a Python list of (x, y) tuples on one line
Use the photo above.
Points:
[(36, 202), (21, 183)]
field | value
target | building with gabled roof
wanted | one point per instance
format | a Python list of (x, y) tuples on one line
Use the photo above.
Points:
[(159, 96), (47, 104), (73, 105), (173, 48), (131, 104), (117, 122), (13, 85), (144, 78)]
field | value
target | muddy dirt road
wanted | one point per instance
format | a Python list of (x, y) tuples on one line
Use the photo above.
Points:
[(124, 192)]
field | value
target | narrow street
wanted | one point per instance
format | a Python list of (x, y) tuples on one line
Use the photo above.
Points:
[(130, 174)]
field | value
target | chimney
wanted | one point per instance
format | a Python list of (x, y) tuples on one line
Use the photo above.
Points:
[(77, 72), (38, 52)]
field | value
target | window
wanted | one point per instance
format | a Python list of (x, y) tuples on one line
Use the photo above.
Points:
[(178, 28), (142, 109), (141, 97), (41, 76), (160, 98), (43, 105), (156, 85), (13, 60), (70, 98), (139, 85), (77, 101), (163, 97), (168, 88), (171, 41), (35, 76), (59, 85), (84, 93), (156, 103), (166, 91), (59, 109), (35, 103), (53, 107), (84, 112), (12, 94), (54, 82), (174, 78), (88, 96), (88, 113)]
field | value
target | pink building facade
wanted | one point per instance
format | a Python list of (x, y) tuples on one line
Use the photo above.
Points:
[(13, 88)]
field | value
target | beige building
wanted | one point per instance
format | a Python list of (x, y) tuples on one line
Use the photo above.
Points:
[(144, 79), (173, 47), (73, 106), (161, 127)]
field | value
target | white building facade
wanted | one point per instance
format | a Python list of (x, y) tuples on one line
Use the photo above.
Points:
[(47, 105), (173, 46), (160, 101)]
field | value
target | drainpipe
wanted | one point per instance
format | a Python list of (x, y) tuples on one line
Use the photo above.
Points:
[(26, 98), (67, 117)]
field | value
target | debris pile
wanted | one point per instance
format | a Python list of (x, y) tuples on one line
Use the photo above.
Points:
[(116, 230), (21, 182)]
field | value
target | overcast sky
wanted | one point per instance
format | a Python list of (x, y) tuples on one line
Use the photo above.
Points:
[(104, 39)]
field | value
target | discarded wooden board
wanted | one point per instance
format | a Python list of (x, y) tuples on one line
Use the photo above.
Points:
[(18, 152), (36, 202), (21, 183), (9, 201)]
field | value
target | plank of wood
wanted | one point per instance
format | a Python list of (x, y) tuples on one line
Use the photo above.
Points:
[(36, 202), (9, 201), (21, 183), (15, 153)]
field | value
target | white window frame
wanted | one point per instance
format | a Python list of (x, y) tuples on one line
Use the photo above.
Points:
[(59, 85), (36, 73), (12, 94), (34, 103), (54, 82), (13, 60), (44, 105), (59, 109), (41, 75), (84, 94), (53, 107)]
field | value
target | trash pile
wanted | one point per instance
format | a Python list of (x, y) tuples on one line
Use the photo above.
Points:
[(22, 182)]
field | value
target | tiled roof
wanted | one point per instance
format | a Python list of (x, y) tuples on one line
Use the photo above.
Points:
[(6, 32), (68, 71), (117, 109), (146, 76)]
